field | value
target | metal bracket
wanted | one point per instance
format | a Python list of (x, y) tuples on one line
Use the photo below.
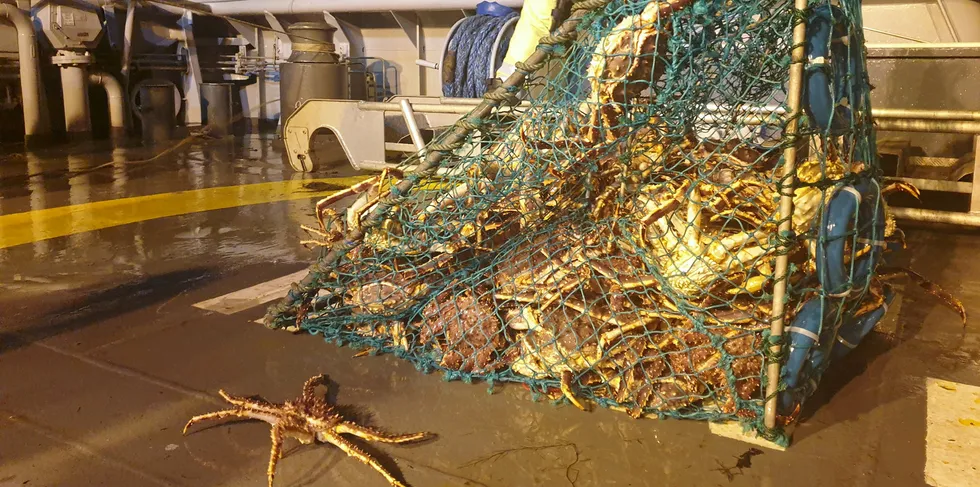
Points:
[(246, 31), (280, 32), (413, 29), (113, 28), (360, 128), (340, 37), (360, 132)]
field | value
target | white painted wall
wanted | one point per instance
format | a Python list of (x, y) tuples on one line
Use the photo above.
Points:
[(392, 44), (922, 20)]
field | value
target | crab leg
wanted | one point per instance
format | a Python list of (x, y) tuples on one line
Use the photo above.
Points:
[(227, 413), (516, 297), (566, 389), (352, 450), (358, 188), (372, 434), (889, 273), (382, 178), (664, 205), (901, 186), (327, 241), (276, 452), (621, 329), (563, 290), (309, 388), (694, 221)]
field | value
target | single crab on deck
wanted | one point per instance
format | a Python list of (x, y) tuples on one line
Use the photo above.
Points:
[(308, 418)]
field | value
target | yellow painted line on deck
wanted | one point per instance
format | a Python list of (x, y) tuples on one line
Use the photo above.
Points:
[(32, 226)]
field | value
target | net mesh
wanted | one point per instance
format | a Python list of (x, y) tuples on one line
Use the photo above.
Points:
[(615, 241)]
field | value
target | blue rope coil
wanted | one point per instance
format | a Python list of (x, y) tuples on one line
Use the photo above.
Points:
[(472, 43)]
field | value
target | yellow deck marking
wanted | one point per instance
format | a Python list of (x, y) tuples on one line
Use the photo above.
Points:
[(32, 226), (952, 437)]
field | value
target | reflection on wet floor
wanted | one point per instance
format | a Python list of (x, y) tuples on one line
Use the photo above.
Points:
[(92, 172)]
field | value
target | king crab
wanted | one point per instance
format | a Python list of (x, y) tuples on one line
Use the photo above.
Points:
[(308, 418)]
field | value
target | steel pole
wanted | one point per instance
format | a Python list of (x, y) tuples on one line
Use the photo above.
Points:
[(413, 127), (74, 89), (216, 104), (158, 112), (930, 126), (935, 216), (786, 187), (36, 123)]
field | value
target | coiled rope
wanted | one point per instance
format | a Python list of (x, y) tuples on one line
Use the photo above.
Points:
[(467, 65)]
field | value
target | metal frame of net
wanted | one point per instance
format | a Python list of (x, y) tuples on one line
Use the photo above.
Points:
[(620, 240)]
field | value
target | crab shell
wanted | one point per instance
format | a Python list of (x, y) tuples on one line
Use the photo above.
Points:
[(471, 333), (546, 352)]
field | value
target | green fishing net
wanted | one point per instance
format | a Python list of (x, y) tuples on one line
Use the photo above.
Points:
[(615, 241)]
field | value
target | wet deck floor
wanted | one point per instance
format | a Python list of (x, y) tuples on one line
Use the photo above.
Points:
[(103, 358)]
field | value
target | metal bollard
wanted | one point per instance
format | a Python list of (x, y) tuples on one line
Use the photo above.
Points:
[(157, 113), (216, 104)]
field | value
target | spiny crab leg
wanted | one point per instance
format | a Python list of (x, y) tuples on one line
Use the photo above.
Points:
[(566, 390), (323, 204), (327, 237), (891, 273), (372, 434), (901, 187), (371, 203), (324, 214)]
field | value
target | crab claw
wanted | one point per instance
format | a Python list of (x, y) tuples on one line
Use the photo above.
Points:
[(566, 390)]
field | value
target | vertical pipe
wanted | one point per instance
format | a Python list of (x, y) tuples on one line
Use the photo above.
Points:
[(74, 89), (157, 112), (127, 53), (975, 192), (413, 127), (117, 101), (35, 120), (127, 49), (216, 105), (786, 187)]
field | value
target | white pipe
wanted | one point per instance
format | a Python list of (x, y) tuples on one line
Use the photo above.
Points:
[(74, 90), (117, 100), (413, 127), (925, 46), (240, 7), (377, 106), (935, 216), (30, 75), (127, 53)]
